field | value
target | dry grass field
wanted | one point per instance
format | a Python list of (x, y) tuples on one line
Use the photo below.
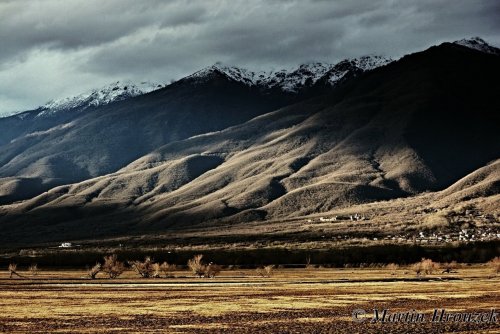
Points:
[(301, 301)]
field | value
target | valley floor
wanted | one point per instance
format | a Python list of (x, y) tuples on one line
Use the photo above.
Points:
[(239, 301)]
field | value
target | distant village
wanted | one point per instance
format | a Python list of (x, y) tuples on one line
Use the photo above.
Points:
[(467, 226), (479, 227)]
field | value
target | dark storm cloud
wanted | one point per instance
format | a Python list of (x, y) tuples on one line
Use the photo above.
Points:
[(67, 25), (64, 46)]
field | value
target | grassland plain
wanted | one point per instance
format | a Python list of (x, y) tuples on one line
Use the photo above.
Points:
[(314, 300)]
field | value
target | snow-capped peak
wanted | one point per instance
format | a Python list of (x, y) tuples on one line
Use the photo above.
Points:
[(306, 75), (479, 44), (245, 76), (370, 62), (291, 80), (116, 91)]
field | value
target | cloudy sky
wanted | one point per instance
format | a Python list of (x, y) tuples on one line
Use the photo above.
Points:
[(58, 48)]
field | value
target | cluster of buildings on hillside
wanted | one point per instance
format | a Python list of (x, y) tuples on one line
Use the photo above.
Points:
[(467, 226), (354, 217), (463, 235)]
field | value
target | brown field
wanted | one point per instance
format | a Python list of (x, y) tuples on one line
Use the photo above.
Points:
[(238, 301)]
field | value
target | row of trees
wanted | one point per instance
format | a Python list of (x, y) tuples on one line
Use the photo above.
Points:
[(32, 270), (150, 269), (113, 268), (428, 267)]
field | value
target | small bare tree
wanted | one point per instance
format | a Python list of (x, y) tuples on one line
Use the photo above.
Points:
[(392, 267), (167, 269), (145, 269), (308, 263), (112, 266), (212, 270), (156, 267), (92, 272), (425, 266), (430, 266), (417, 268), (33, 269), (266, 271), (12, 270), (495, 264), (201, 269), (449, 267), (196, 266)]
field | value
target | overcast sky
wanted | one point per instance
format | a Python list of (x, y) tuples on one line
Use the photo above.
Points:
[(57, 48)]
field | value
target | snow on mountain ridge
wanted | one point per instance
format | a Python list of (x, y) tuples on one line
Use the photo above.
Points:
[(479, 44), (235, 73), (370, 62), (116, 91), (286, 80), (291, 80)]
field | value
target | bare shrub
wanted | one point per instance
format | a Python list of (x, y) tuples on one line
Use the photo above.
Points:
[(33, 269), (266, 271), (167, 269), (392, 267), (425, 266), (196, 265), (449, 267), (12, 270), (308, 263), (417, 268), (112, 266), (92, 272), (156, 270), (145, 269), (495, 264), (430, 266), (200, 269), (212, 270)]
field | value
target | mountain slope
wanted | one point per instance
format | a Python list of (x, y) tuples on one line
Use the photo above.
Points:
[(98, 132), (478, 44), (117, 91), (107, 137), (417, 124), (57, 112)]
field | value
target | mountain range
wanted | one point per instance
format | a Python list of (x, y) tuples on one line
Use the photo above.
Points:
[(33, 157), (227, 145)]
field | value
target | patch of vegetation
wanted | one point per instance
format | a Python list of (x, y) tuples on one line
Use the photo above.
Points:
[(436, 221), (392, 267), (449, 267), (146, 268), (112, 266), (425, 267), (201, 269), (92, 272), (266, 271), (33, 269), (167, 269), (477, 252), (12, 270), (495, 264)]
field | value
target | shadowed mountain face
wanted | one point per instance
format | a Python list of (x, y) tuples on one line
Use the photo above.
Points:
[(98, 132), (39, 153), (418, 124)]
